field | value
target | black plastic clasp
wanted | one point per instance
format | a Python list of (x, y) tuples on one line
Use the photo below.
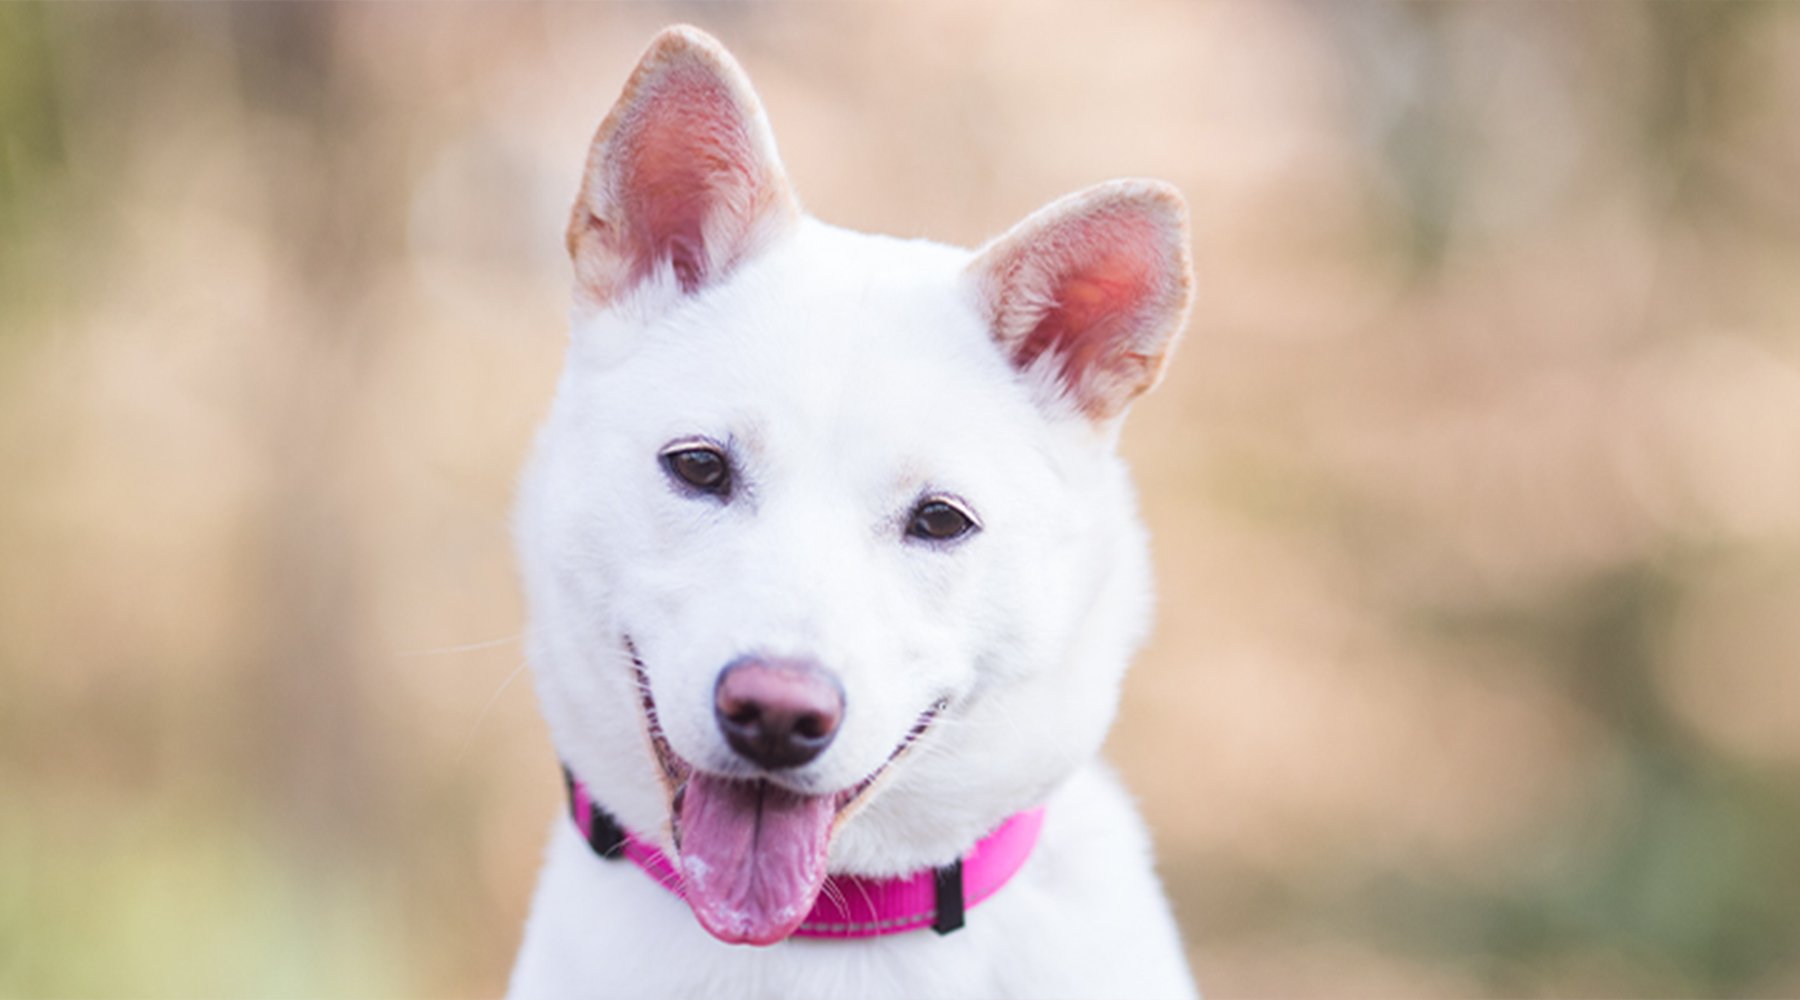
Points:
[(949, 897), (605, 835)]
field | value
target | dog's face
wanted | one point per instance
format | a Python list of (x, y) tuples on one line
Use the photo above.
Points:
[(829, 558)]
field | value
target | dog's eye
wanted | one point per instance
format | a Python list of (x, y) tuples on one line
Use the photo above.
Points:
[(940, 520), (701, 467)]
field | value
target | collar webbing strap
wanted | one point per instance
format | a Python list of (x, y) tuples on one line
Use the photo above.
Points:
[(852, 906)]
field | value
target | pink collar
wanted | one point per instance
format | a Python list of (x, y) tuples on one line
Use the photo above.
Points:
[(851, 906)]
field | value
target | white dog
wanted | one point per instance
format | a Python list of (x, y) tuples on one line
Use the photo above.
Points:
[(833, 575)]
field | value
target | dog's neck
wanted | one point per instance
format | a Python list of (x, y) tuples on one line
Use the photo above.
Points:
[(851, 906)]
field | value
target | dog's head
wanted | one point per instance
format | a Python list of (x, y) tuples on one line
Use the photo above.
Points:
[(829, 557)]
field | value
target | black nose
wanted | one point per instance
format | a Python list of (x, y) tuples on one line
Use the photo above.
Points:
[(778, 713)]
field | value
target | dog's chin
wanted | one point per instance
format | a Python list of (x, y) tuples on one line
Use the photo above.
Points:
[(752, 849)]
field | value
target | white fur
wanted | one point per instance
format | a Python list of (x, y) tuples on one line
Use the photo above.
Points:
[(851, 374)]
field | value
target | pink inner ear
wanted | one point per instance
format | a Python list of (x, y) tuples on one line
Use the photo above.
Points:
[(687, 157), (1105, 276)]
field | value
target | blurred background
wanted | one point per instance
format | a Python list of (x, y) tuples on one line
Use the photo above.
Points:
[(1475, 487)]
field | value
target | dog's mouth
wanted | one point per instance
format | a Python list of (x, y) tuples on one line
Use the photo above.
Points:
[(752, 852)]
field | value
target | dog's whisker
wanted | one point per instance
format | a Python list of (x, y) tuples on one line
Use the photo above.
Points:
[(863, 889), (469, 740), (467, 647), (672, 880), (834, 892)]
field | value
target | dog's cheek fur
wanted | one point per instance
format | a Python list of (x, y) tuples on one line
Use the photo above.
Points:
[(582, 675), (608, 547), (1057, 635)]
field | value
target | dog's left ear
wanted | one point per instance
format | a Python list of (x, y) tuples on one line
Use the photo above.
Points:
[(682, 174), (1087, 295)]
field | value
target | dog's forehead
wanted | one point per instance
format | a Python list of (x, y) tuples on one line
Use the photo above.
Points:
[(840, 330), (834, 297)]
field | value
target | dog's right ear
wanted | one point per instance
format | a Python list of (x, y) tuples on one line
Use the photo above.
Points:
[(682, 174)]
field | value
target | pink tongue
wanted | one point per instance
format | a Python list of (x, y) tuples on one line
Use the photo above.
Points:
[(753, 856)]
